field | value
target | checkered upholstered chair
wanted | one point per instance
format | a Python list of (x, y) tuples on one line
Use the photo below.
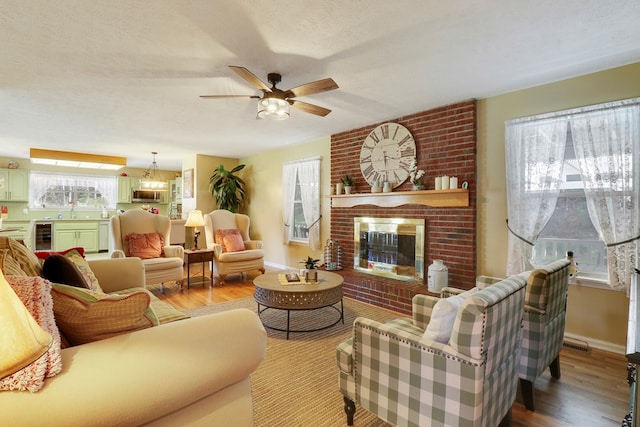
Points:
[(545, 310), (408, 379)]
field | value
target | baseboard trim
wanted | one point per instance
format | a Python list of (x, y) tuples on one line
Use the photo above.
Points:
[(595, 343)]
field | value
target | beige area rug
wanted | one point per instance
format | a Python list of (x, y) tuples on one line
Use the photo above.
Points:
[(297, 383)]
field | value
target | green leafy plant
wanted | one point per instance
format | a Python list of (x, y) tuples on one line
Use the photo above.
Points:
[(347, 181), (310, 263), (227, 188)]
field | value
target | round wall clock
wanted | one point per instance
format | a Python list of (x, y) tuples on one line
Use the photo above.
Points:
[(386, 154)]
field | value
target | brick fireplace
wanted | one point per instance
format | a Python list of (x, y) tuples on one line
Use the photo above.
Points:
[(446, 145)]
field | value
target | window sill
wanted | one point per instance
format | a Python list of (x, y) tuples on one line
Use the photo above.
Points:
[(591, 282)]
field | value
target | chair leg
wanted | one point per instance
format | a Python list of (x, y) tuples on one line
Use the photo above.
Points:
[(526, 387), (262, 270), (554, 367), (222, 276), (349, 409), (506, 421)]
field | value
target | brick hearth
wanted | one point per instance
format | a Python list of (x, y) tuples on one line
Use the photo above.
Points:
[(446, 145)]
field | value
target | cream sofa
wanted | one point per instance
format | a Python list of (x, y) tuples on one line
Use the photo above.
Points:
[(189, 372)]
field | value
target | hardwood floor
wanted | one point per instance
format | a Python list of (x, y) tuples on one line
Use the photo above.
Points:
[(592, 391)]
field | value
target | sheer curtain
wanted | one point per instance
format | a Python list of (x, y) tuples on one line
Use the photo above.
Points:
[(607, 147), (534, 159), (309, 176), (289, 172)]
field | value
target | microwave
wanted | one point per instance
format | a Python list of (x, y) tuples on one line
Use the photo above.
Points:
[(145, 196)]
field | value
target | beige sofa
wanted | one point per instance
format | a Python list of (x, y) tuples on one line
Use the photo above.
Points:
[(189, 372)]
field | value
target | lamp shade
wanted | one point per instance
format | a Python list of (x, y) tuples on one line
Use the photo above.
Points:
[(22, 340), (195, 219)]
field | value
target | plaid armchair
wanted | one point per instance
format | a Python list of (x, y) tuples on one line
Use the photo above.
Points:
[(545, 309), (406, 379)]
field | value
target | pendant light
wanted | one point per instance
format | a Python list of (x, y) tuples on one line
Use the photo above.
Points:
[(152, 179)]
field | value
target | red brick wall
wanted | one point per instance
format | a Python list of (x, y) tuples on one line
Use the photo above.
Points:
[(446, 145)]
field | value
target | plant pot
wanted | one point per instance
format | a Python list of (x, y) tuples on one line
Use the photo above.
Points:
[(417, 187), (347, 189), (311, 275)]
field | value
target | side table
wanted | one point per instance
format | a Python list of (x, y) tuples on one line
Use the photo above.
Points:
[(195, 256)]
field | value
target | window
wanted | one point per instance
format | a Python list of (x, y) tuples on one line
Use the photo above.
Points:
[(570, 227), (573, 182), (301, 202), (55, 190)]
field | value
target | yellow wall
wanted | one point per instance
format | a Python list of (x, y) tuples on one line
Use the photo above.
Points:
[(264, 173), (600, 315)]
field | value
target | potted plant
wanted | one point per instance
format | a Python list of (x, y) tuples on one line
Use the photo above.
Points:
[(416, 175), (227, 188), (311, 266), (347, 182)]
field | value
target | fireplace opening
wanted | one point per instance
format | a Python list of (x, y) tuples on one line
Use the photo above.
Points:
[(390, 247)]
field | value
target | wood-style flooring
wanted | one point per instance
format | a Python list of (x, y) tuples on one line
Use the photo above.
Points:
[(592, 391)]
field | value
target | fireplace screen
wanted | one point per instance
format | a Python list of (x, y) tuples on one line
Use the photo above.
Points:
[(390, 247)]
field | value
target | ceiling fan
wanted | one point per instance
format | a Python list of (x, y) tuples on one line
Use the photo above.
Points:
[(274, 103)]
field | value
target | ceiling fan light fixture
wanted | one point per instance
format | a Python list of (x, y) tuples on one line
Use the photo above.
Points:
[(152, 179), (272, 108)]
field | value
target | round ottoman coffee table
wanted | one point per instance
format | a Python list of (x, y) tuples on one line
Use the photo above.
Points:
[(274, 292)]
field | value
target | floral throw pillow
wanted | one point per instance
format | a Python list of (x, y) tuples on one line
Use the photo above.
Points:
[(145, 246), (230, 240)]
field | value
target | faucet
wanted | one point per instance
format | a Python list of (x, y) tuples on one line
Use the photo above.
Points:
[(73, 206)]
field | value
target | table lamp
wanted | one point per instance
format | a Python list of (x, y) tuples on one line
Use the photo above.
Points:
[(22, 340), (195, 220)]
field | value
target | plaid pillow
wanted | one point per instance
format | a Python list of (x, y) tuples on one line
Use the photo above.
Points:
[(85, 316)]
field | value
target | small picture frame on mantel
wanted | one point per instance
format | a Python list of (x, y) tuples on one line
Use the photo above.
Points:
[(187, 183)]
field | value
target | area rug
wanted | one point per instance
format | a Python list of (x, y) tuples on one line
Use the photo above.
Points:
[(297, 383)]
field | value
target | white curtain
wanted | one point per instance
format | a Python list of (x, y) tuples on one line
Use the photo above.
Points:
[(534, 159), (309, 177), (289, 172), (607, 147)]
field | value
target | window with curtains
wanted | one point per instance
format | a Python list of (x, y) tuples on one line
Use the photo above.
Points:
[(301, 202), (573, 183), (56, 190)]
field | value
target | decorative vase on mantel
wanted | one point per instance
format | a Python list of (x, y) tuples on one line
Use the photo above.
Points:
[(417, 187)]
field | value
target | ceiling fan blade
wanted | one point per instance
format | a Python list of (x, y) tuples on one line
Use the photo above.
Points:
[(309, 108), (318, 86), (229, 96), (250, 77)]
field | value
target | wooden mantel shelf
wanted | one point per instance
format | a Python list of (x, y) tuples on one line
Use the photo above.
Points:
[(433, 198)]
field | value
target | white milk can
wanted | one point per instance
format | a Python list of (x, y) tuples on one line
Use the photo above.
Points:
[(438, 276)]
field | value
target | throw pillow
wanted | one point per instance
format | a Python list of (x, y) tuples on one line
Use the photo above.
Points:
[(230, 239), (145, 246), (27, 260), (35, 294), (43, 255), (8, 264), (60, 269), (82, 264), (85, 316), (444, 315)]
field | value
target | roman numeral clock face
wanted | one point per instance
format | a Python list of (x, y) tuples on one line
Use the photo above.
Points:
[(387, 153)]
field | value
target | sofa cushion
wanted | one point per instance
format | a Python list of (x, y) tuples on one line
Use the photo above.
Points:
[(145, 246), (444, 315), (60, 269), (84, 315), (230, 239), (9, 265), (35, 294), (28, 261)]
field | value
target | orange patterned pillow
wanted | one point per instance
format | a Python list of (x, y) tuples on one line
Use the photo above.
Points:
[(230, 239), (145, 246)]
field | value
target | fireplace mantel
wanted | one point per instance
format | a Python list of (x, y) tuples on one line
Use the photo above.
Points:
[(434, 198)]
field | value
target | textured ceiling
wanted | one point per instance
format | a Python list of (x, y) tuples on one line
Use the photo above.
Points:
[(123, 77)]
